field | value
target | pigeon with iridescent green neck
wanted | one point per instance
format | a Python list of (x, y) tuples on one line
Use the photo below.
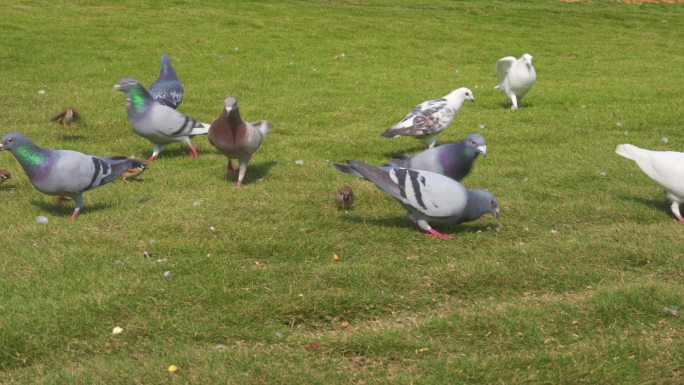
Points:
[(167, 89), (156, 122), (64, 173)]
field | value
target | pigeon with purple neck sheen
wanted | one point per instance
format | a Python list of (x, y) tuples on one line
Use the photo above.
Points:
[(454, 160), (64, 173), (235, 138), (430, 197), (156, 122), (428, 119), (664, 167), (516, 77), (167, 89)]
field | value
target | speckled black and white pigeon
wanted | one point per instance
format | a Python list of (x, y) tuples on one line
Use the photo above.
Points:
[(64, 173), (516, 77), (430, 197), (664, 167), (235, 138), (431, 117), (167, 89), (454, 160), (156, 122)]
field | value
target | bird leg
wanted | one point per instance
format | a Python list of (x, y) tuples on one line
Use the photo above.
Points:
[(156, 149), (514, 100), (74, 214), (434, 233), (431, 140), (78, 199), (243, 170), (193, 150), (229, 167), (675, 211)]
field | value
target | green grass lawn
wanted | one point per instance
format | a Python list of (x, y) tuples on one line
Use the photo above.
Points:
[(570, 286)]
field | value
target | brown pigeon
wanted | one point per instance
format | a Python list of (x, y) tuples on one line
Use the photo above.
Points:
[(235, 138)]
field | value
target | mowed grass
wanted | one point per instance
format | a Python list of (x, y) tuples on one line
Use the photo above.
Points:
[(570, 286)]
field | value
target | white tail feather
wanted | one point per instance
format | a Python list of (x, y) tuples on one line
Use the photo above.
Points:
[(203, 130), (629, 151)]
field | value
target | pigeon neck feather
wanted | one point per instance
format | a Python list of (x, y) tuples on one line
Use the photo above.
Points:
[(477, 206), (137, 98)]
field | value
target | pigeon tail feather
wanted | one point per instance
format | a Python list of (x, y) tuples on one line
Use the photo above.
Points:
[(200, 129), (630, 151), (347, 169), (119, 165)]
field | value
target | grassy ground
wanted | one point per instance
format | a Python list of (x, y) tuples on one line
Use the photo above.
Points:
[(569, 287)]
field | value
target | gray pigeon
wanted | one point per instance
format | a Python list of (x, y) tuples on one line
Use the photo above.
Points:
[(431, 117), (235, 138), (167, 89), (453, 160), (156, 122), (64, 173), (664, 167), (430, 197), (516, 77)]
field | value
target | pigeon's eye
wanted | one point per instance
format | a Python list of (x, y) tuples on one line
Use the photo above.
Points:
[(492, 202), (472, 141), (10, 140)]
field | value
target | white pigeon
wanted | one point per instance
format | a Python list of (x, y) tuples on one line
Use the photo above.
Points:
[(431, 117), (515, 77), (664, 167), (428, 196)]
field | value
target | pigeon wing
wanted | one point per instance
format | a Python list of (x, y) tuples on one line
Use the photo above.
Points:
[(425, 119), (502, 67), (431, 194)]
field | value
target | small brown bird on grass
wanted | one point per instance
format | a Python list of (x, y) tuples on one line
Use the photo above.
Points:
[(4, 175), (344, 197), (66, 117), (135, 170)]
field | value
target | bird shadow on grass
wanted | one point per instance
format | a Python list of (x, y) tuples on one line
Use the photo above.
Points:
[(402, 222), (68, 207), (659, 204)]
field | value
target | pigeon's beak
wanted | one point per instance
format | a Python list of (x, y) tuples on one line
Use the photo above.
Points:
[(2, 147), (472, 99), (117, 87), (482, 150), (495, 212)]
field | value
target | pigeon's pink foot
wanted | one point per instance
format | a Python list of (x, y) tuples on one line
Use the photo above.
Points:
[(74, 214), (238, 184), (435, 233), (680, 219), (152, 158), (229, 167), (193, 151)]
